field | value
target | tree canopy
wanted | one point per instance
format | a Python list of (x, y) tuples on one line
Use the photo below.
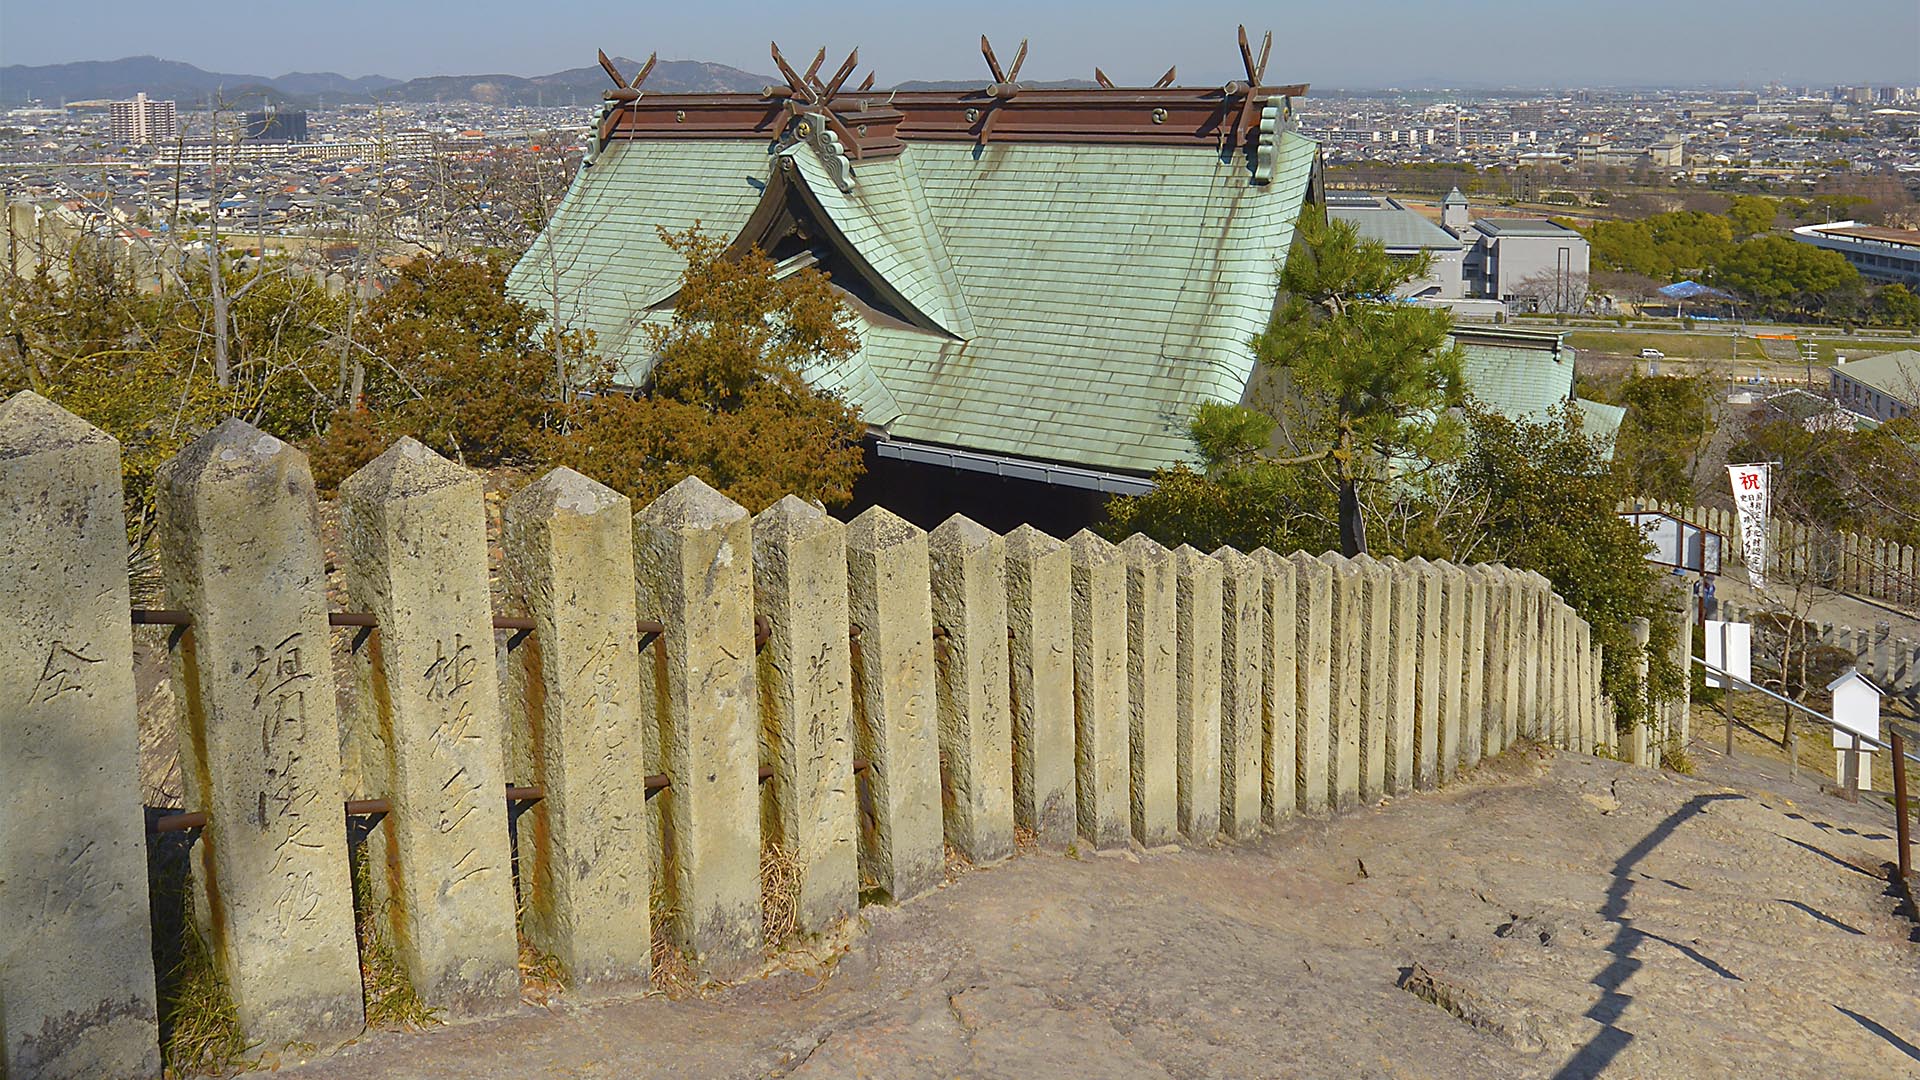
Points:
[(1374, 377), (1668, 424), (727, 400), (1785, 276)]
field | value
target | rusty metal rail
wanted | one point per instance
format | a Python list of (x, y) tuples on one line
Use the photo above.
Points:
[(649, 628), (197, 819), (185, 820)]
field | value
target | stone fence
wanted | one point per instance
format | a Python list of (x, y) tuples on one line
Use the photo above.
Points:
[(1892, 662), (1843, 561), (865, 696)]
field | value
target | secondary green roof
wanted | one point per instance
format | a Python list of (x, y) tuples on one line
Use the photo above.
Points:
[(1396, 227), (1520, 374), (1072, 303), (1895, 374), (1521, 227)]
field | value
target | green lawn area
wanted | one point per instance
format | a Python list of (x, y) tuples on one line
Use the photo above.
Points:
[(1678, 346)]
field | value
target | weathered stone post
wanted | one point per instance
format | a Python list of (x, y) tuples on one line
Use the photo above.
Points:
[(1552, 723), (1427, 583), (1403, 645), (1637, 739), (1547, 647), (1197, 708), (1347, 645), (1454, 671), (1243, 592), (896, 721), (1584, 690), (428, 734), (1100, 706), (1524, 634), (1376, 676), (976, 732), (1509, 607), (76, 959), (1680, 727), (1278, 782), (1040, 643), (693, 571), (1544, 642), (585, 869), (1152, 644), (1313, 681), (1566, 693), (1479, 681), (260, 754), (806, 706), (1536, 644)]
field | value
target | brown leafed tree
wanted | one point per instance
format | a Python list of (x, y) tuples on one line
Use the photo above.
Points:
[(726, 399)]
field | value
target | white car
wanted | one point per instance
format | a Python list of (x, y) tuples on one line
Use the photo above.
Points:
[(1652, 354)]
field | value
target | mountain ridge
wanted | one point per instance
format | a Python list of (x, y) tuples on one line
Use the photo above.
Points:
[(84, 80)]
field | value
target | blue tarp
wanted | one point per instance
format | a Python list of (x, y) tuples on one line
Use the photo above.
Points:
[(1693, 290)]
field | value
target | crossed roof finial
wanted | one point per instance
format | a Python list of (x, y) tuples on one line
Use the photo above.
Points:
[(808, 94), (624, 90)]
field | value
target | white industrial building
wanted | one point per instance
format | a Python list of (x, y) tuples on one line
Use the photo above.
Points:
[(1526, 263)]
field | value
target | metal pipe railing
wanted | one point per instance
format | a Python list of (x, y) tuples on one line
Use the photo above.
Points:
[(1865, 740), (1903, 836)]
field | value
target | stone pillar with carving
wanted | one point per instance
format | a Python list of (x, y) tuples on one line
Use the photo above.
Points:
[(806, 705), (585, 863), (1197, 691), (693, 568), (896, 725), (76, 959), (1243, 591), (428, 732), (969, 565), (1313, 680), (1100, 706), (1278, 691), (260, 733)]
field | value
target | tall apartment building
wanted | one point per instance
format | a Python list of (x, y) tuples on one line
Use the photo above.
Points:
[(142, 122)]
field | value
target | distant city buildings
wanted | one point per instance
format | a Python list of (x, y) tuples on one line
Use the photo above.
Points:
[(1525, 263), (276, 126), (379, 149), (1880, 254), (144, 122)]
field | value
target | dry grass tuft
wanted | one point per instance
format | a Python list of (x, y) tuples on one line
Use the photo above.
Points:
[(203, 1027), (671, 974), (542, 978), (1676, 759), (391, 1001), (957, 864), (779, 894), (1025, 839)]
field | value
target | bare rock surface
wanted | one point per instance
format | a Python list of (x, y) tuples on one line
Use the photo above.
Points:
[(1547, 917)]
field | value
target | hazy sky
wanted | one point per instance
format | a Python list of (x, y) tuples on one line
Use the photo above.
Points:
[(1332, 43)]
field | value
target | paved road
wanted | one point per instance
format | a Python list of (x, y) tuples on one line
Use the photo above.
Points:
[(1580, 918)]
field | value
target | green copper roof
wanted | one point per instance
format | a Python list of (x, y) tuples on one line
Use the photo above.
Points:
[(1518, 373), (1521, 227), (1895, 374), (1397, 228), (1091, 296)]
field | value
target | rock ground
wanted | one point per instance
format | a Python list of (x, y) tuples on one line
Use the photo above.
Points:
[(1573, 917)]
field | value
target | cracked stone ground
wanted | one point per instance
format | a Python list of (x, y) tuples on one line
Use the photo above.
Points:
[(1548, 917)]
